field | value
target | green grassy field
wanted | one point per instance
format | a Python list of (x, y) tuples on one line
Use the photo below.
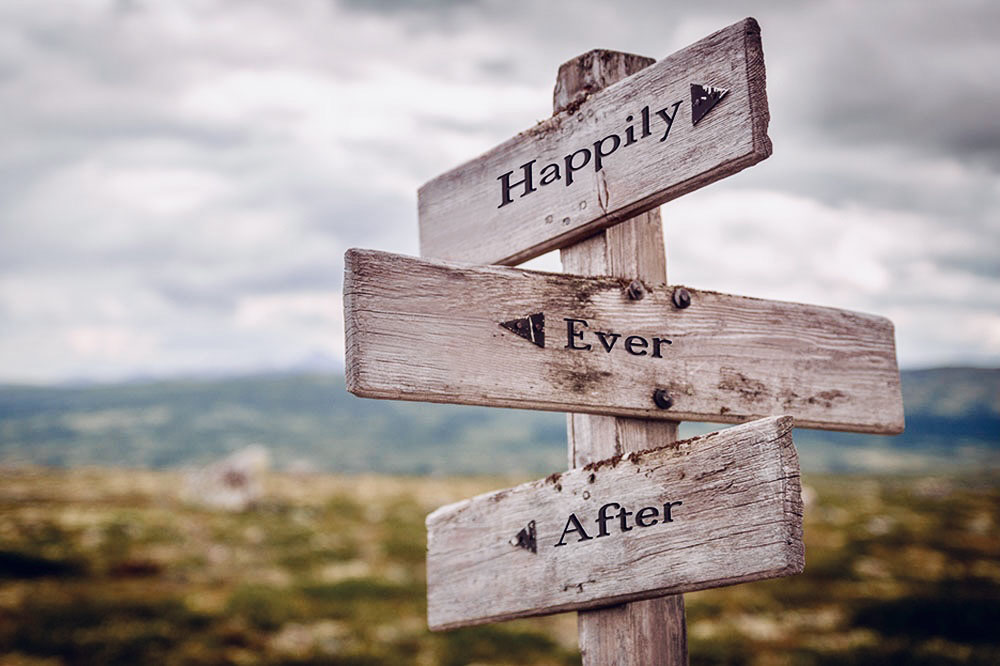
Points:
[(111, 566), (952, 423)]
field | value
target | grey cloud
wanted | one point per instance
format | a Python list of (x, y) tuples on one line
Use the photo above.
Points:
[(497, 68), (188, 296), (450, 124), (405, 7), (898, 73), (981, 263), (222, 295), (908, 74), (969, 199), (106, 127)]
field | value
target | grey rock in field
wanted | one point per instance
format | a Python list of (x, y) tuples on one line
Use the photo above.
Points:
[(230, 484)]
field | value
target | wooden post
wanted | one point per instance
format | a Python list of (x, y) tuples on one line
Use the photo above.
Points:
[(653, 632)]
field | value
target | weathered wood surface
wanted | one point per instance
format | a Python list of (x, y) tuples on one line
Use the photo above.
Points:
[(735, 515), (430, 331), (460, 212), (650, 632)]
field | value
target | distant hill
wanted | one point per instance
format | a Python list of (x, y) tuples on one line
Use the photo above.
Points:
[(952, 420)]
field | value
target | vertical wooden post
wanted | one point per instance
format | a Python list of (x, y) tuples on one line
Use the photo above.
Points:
[(644, 633)]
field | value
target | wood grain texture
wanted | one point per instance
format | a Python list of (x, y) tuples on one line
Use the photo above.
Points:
[(739, 519), (460, 213), (593, 437), (592, 72), (631, 250), (426, 330), (649, 632)]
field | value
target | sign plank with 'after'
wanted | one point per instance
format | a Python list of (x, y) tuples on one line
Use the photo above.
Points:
[(690, 119), (715, 510), (506, 337)]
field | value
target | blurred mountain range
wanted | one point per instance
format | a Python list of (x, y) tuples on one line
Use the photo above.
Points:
[(309, 422)]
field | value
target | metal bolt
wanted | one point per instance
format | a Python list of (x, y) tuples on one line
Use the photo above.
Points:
[(635, 290), (662, 399), (681, 298)]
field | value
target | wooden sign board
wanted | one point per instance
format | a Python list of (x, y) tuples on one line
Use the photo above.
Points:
[(506, 337), (717, 510), (692, 118)]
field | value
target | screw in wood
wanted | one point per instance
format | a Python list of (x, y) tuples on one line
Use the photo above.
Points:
[(681, 298), (635, 290), (662, 399)]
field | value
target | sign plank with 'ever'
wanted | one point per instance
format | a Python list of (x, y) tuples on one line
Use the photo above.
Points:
[(444, 332)]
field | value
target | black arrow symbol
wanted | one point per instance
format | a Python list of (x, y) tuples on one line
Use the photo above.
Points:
[(526, 538), (704, 99), (531, 327)]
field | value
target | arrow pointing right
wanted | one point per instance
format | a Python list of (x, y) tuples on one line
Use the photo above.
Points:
[(704, 99)]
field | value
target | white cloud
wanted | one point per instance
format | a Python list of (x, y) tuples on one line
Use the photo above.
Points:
[(776, 245)]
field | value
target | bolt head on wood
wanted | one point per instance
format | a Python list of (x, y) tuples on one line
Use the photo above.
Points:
[(662, 399), (681, 298), (636, 290)]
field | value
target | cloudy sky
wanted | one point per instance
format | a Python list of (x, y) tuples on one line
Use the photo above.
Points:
[(181, 179)]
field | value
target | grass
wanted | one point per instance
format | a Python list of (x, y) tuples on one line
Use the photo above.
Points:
[(111, 566)]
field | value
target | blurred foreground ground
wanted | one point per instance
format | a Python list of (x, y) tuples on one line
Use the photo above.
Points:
[(111, 566)]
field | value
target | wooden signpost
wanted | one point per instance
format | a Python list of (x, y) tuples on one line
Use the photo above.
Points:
[(640, 517)]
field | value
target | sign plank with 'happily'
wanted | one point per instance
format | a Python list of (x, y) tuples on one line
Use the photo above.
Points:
[(692, 118)]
